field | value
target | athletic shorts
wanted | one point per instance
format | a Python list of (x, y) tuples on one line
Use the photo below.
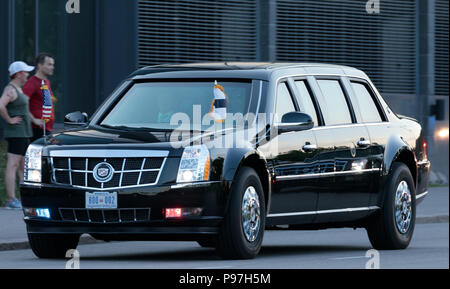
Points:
[(18, 146)]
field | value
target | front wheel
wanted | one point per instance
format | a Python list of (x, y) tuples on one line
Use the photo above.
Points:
[(392, 228), (242, 230), (52, 246)]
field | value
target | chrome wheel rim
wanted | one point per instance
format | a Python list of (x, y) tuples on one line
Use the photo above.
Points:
[(251, 217), (403, 207)]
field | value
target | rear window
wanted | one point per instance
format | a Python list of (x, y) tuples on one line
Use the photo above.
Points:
[(334, 105), (367, 106)]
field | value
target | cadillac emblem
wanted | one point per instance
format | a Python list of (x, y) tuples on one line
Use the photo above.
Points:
[(103, 172)]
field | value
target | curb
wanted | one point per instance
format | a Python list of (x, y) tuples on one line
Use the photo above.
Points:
[(432, 219), (89, 240)]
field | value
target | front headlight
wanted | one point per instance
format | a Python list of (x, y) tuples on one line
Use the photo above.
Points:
[(194, 165), (33, 164)]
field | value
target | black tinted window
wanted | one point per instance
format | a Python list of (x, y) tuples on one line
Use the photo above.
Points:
[(284, 102), (367, 106), (334, 104), (306, 103)]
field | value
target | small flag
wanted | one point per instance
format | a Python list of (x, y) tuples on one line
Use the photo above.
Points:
[(219, 104), (47, 108)]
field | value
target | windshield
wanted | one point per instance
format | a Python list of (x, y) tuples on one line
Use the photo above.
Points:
[(154, 104)]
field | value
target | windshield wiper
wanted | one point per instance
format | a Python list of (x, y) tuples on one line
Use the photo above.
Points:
[(122, 127), (136, 129), (147, 129)]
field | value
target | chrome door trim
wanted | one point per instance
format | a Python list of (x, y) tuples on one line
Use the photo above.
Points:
[(318, 175), (421, 195), (346, 210), (423, 163)]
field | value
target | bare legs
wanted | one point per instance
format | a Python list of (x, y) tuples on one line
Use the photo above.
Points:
[(14, 167)]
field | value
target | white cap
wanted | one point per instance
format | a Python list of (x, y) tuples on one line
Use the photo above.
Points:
[(19, 66)]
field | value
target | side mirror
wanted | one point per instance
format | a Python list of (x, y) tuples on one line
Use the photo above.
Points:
[(76, 119), (295, 121)]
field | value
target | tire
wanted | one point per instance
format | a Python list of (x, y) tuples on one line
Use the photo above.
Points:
[(232, 242), (52, 246), (383, 230)]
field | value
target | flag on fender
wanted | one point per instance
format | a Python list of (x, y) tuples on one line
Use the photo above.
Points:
[(46, 103)]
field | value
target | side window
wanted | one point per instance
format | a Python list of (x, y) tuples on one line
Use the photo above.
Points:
[(367, 106), (334, 104), (306, 101), (284, 102)]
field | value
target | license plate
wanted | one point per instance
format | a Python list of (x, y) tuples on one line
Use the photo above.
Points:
[(101, 200)]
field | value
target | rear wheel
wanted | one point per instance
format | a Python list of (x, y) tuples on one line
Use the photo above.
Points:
[(52, 246), (242, 230), (393, 227)]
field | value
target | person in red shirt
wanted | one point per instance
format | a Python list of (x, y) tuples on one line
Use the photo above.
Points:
[(45, 67)]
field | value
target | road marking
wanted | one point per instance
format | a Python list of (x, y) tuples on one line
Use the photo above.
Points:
[(348, 258), (205, 268)]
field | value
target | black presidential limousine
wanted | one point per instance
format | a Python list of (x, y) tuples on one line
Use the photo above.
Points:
[(220, 152)]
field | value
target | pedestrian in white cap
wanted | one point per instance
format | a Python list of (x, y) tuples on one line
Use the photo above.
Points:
[(15, 111), (19, 66)]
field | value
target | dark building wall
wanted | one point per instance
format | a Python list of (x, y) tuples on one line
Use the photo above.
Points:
[(109, 39), (116, 44), (74, 49), (199, 31), (4, 7), (98, 47), (94, 50)]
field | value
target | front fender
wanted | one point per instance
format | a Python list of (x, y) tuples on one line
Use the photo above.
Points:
[(234, 161), (237, 158)]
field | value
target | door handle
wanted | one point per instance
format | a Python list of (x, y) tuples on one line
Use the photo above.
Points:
[(363, 143), (309, 147)]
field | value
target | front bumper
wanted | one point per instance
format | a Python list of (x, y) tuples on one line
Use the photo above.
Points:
[(209, 196)]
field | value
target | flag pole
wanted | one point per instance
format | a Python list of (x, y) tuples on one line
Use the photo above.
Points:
[(42, 89), (215, 123)]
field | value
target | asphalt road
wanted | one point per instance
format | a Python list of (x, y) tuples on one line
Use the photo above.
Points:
[(336, 248)]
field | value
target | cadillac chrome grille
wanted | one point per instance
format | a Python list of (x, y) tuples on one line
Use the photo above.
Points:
[(125, 172)]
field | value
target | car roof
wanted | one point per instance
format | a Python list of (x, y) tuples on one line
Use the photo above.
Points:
[(255, 70)]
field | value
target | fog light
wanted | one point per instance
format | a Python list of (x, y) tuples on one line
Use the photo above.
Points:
[(40, 213), (182, 212), (174, 213), (43, 213)]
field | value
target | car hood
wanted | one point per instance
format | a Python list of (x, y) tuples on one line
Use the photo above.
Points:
[(93, 137)]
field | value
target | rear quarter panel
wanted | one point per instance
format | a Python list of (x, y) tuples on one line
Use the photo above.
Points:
[(391, 141)]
